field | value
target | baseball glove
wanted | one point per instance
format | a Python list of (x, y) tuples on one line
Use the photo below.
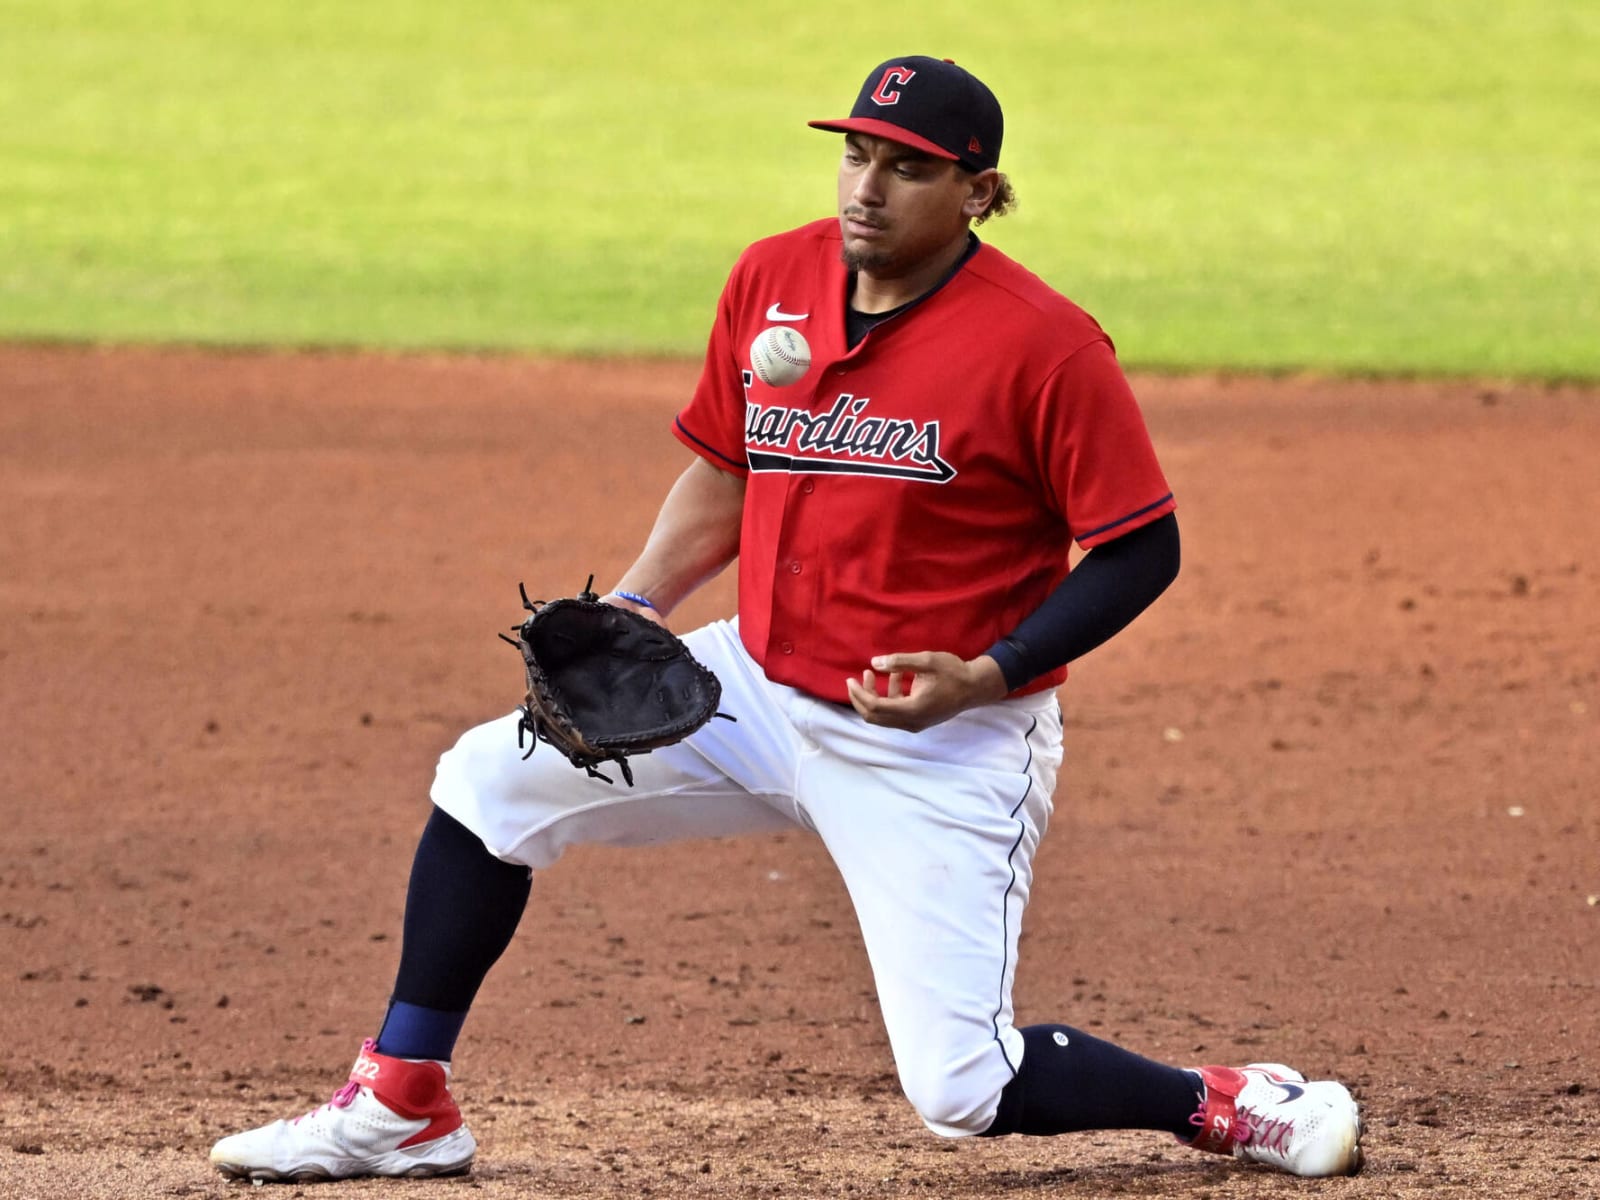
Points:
[(605, 682)]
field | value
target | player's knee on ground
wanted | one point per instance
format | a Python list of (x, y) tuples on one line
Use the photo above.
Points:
[(948, 1103)]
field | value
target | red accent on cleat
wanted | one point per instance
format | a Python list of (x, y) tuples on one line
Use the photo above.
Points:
[(418, 1091)]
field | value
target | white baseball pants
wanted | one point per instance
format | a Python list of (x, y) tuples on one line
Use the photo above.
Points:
[(933, 834)]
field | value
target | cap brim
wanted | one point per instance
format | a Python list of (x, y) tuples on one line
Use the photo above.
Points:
[(875, 128)]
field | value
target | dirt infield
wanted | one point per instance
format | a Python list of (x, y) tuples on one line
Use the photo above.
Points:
[(1332, 801)]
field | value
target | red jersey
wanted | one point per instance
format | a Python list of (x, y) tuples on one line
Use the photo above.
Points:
[(921, 491)]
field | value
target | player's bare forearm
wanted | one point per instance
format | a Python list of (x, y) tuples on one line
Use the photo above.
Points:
[(696, 535), (925, 688)]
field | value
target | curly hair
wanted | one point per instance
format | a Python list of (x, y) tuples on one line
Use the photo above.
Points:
[(1005, 200)]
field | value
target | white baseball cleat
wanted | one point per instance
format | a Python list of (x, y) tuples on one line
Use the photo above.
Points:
[(1268, 1113), (395, 1116)]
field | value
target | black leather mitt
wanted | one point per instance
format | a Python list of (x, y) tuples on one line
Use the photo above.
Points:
[(605, 682)]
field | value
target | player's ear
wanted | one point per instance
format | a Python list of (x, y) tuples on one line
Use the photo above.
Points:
[(981, 189)]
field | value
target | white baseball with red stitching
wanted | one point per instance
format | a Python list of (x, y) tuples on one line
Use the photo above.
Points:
[(780, 356)]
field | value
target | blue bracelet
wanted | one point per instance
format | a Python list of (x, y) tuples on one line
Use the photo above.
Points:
[(634, 597)]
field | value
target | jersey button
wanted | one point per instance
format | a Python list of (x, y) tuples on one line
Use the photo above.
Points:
[(788, 647), (808, 487), (795, 568)]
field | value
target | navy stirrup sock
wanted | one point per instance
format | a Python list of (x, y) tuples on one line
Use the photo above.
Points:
[(462, 908), (1071, 1081), (412, 1031)]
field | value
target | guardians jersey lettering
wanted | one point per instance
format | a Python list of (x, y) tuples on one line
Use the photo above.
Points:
[(841, 441)]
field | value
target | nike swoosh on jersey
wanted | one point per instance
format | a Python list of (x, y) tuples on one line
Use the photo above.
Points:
[(776, 313)]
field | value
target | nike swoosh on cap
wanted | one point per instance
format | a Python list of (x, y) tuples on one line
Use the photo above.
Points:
[(776, 313)]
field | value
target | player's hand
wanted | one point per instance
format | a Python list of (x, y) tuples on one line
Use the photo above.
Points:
[(940, 686)]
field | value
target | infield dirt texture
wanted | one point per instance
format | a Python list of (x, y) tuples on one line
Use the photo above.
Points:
[(1332, 800)]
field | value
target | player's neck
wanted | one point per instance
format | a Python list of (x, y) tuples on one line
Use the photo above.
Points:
[(879, 293)]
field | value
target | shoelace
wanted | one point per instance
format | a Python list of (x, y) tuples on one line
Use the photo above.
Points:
[(1250, 1128), (1264, 1133), (347, 1094), (341, 1099)]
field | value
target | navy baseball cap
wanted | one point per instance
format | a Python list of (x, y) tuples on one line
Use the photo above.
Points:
[(930, 104)]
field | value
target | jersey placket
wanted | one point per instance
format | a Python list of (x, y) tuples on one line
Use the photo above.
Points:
[(797, 583)]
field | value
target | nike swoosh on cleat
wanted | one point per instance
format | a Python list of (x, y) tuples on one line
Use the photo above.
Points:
[(776, 313), (1292, 1091)]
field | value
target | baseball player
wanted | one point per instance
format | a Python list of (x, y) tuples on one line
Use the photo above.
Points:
[(901, 516)]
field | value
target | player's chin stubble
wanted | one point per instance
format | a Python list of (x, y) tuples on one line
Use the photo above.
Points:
[(863, 260), (860, 260)]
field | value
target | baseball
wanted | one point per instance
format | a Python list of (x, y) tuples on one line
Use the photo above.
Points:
[(780, 356)]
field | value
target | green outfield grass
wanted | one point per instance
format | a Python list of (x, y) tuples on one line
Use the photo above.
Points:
[(1411, 186)]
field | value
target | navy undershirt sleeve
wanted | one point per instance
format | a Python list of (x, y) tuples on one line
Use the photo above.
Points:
[(1115, 582)]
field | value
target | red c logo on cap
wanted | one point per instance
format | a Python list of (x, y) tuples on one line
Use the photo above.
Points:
[(885, 93)]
